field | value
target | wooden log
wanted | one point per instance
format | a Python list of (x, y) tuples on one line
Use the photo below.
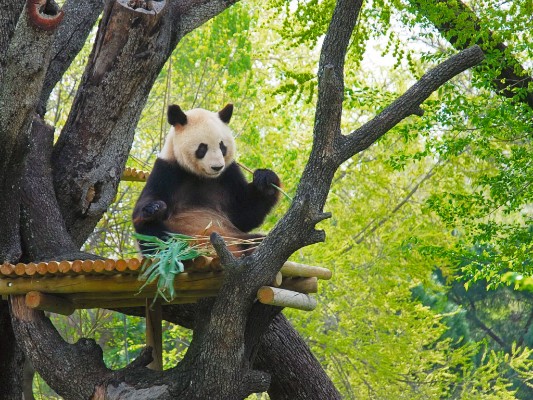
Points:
[(99, 266), (293, 269), (7, 269), (42, 268), (31, 269), (87, 266), (150, 292), (277, 280), (154, 333), (47, 302), (285, 298), (302, 285), (109, 265), (134, 175), (105, 283), (134, 264), (52, 267), (121, 265), (20, 269), (126, 302), (199, 264), (65, 267), (76, 266)]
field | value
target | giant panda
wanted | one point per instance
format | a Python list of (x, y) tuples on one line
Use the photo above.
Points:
[(196, 188)]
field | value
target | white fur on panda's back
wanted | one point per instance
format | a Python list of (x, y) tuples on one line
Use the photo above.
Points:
[(202, 126)]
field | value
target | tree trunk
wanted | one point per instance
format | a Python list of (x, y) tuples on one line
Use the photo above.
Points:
[(11, 358), (296, 373)]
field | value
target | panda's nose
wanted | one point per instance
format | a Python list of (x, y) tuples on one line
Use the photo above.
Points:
[(217, 168)]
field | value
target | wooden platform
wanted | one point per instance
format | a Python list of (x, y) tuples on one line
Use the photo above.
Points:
[(63, 286), (134, 175)]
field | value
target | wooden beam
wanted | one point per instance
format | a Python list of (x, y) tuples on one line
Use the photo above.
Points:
[(302, 285), (128, 302), (107, 283), (291, 268), (154, 333), (47, 302), (285, 298), (99, 296)]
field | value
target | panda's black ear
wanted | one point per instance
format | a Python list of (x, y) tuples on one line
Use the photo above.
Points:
[(176, 116), (225, 113)]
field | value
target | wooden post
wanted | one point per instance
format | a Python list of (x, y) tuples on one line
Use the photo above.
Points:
[(302, 285), (47, 302), (291, 268), (154, 333), (285, 298)]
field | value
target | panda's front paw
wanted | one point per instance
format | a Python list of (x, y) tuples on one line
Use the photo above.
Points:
[(154, 209), (264, 179)]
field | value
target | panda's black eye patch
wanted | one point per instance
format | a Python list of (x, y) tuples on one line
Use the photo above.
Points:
[(223, 149), (201, 151)]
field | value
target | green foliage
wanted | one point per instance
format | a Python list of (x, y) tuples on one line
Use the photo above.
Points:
[(164, 260)]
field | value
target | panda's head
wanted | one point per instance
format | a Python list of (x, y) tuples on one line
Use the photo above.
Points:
[(200, 140)]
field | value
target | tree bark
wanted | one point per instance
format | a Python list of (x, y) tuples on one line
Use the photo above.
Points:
[(26, 60), (296, 373), (80, 17), (43, 231), (10, 11), (11, 358)]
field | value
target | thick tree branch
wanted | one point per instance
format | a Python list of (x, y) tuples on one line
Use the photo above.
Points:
[(79, 19), (306, 209), (407, 104), (44, 235), (286, 356), (295, 373), (512, 77), (10, 11), (331, 76), (26, 62), (22, 78), (81, 363)]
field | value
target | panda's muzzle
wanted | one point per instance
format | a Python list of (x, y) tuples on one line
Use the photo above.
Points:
[(217, 168)]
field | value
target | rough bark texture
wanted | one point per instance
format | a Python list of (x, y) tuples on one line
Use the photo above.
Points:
[(9, 15), (43, 231), (26, 60), (80, 17), (296, 373), (83, 360), (281, 352)]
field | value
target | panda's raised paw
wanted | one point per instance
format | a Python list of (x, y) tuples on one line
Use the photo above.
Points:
[(154, 209), (264, 179)]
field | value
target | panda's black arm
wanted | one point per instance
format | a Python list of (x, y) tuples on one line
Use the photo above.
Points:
[(154, 199), (251, 202)]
